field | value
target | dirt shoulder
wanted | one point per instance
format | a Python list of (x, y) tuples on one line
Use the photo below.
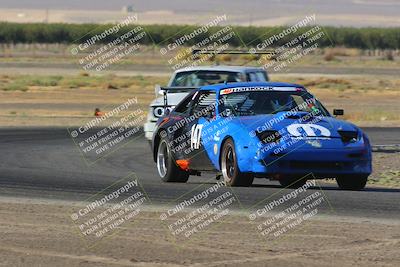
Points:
[(41, 233)]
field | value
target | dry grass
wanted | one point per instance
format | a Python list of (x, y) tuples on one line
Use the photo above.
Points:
[(82, 81), (366, 100), (72, 100), (343, 51), (150, 55)]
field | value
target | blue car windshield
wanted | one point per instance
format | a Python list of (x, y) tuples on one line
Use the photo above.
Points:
[(249, 103)]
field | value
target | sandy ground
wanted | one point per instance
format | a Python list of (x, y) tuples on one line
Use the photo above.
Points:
[(386, 170), (41, 233)]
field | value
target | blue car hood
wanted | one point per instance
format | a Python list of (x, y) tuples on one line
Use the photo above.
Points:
[(294, 124)]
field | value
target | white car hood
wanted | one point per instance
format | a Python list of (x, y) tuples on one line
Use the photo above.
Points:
[(173, 99)]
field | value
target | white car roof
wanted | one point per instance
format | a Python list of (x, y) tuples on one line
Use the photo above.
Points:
[(220, 68)]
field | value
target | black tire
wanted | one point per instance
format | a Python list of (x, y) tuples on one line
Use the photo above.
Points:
[(292, 182), (352, 182), (166, 166), (230, 170)]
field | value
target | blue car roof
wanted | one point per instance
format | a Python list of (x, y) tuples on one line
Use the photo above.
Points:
[(221, 86)]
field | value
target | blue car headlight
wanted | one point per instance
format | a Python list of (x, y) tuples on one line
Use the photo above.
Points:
[(269, 136), (349, 136)]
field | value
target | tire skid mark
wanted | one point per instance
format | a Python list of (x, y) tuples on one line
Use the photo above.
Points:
[(90, 258), (294, 254)]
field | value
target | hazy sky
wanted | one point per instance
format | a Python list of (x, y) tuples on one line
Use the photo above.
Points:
[(363, 12), (390, 7)]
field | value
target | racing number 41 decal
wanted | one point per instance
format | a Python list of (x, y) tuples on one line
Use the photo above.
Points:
[(195, 136)]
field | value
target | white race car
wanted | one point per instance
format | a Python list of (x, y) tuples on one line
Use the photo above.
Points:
[(186, 79)]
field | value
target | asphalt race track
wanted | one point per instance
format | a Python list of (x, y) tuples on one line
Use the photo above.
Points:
[(45, 163)]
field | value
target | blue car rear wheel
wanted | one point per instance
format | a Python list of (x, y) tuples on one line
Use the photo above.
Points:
[(167, 169)]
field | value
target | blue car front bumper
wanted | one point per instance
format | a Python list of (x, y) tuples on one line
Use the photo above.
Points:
[(321, 162)]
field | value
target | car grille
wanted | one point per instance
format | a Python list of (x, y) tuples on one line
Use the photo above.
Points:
[(317, 165)]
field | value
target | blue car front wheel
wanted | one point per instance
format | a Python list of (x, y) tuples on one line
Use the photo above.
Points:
[(352, 182), (230, 170)]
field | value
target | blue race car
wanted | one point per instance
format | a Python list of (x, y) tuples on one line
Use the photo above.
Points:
[(269, 130)]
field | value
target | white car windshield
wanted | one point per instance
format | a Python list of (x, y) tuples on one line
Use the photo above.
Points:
[(200, 78)]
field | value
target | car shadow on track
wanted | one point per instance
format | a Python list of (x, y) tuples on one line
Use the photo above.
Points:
[(335, 188), (329, 187)]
